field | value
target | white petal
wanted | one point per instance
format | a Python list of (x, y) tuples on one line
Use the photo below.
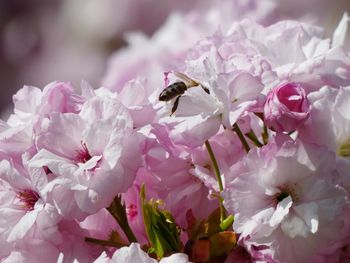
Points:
[(293, 226), (341, 32), (281, 211), (175, 258), (132, 254), (90, 164), (23, 226), (308, 212)]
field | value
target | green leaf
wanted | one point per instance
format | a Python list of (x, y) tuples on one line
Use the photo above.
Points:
[(162, 232)]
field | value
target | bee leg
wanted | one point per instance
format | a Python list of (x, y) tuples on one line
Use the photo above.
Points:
[(176, 103)]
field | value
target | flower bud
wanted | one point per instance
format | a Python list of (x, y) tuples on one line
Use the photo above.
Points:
[(286, 107)]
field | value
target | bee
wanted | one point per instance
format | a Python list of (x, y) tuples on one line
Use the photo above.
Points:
[(177, 89)]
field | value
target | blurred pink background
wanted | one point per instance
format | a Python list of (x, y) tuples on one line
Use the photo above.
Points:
[(71, 40)]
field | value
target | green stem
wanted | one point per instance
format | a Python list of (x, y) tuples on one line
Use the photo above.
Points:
[(117, 210), (218, 177), (107, 243), (215, 164), (251, 135), (241, 137)]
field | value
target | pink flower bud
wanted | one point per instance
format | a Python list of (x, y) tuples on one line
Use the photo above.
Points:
[(286, 107)]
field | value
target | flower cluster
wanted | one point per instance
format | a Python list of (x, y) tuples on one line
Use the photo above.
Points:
[(233, 148), (64, 157)]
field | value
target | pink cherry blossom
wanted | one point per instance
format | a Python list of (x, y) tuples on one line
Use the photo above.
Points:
[(65, 156), (24, 205), (228, 62), (329, 126), (299, 53), (179, 185), (214, 65), (283, 196), (329, 120), (185, 178), (286, 108), (94, 155), (166, 50), (31, 107)]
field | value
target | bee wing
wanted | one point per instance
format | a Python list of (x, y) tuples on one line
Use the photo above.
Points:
[(190, 82)]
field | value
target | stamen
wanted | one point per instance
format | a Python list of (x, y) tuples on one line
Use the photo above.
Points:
[(280, 196), (83, 155), (28, 198), (285, 191)]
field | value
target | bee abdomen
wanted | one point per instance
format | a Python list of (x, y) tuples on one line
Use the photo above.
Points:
[(172, 91)]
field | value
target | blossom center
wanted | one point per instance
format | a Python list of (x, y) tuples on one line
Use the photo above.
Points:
[(285, 191), (47, 170), (280, 196), (344, 149), (28, 198), (83, 154)]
